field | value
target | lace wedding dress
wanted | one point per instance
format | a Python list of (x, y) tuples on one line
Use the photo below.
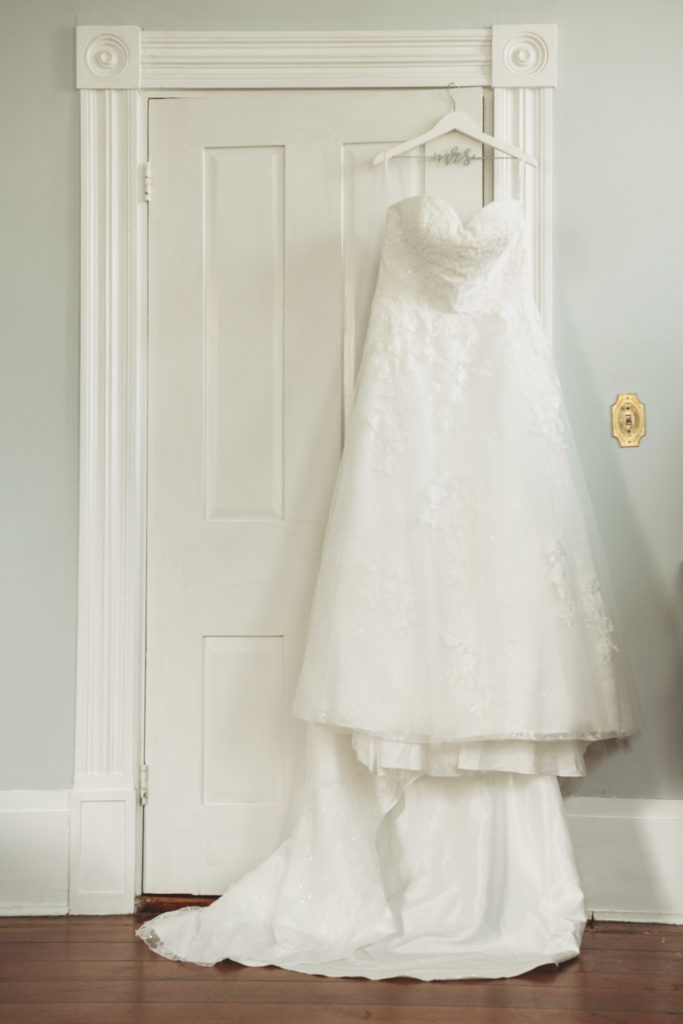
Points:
[(460, 655)]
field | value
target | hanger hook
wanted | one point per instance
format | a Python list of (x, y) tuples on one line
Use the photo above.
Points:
[(452, 85)]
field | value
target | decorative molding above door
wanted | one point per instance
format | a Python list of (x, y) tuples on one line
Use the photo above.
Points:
[(118, 69), (125, 57)]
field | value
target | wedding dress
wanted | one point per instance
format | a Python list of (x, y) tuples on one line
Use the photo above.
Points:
[(460, 654)]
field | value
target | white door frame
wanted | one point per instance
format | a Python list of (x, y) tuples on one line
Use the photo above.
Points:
[(119, 68)]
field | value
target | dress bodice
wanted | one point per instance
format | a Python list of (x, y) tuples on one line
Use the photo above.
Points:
[(431, 259)]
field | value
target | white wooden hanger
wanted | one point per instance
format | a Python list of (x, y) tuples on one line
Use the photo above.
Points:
[(456, 121)]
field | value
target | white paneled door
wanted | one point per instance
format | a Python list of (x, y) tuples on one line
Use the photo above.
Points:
[(265, 224)]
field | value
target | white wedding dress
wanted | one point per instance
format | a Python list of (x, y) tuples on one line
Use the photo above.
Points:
[(460, 655)]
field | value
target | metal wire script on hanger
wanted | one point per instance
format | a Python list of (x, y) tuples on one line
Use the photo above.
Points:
[(462, 123), (455, 155)]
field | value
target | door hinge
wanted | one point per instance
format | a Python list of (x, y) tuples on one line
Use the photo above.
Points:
[(143, 792), (148, 182)]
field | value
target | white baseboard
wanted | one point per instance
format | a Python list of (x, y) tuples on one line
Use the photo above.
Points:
[(629, 854), (104, 822), (34, 857), (630, 857)]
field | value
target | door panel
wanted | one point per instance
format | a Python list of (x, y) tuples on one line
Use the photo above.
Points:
[(243, 188), (265, 227)]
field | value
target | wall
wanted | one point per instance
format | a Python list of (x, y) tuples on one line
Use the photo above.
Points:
[(618, 311)]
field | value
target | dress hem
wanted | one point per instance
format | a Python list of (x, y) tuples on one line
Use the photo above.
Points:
[(437, 967), (628, 732)]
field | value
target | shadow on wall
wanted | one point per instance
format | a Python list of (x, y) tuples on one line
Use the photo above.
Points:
[(625, 851), (649, 615)]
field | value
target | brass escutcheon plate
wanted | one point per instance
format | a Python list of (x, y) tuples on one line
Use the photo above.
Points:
[(628, 420)]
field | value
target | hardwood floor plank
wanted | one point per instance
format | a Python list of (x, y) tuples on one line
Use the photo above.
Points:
[(94, 970), (630, 927), (660, 998), (72, 920), (654, 940), (159, 969), (172, 1013), (628, 961), (65, 931), (65, 950)]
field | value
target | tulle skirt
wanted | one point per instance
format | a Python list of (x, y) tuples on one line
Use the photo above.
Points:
[(461, 598)]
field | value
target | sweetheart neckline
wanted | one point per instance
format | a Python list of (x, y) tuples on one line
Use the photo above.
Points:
[(451, 210)]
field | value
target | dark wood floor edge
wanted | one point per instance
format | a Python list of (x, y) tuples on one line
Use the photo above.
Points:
[(156, 903)]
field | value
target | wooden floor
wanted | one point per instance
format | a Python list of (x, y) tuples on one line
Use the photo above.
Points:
[(93, 970)]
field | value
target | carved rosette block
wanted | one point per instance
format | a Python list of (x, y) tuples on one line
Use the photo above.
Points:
[(108, 57), (523, 55)]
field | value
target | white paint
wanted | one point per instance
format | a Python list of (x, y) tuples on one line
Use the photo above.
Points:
[(113, 384), (34, 845), (524, 54), (124, 57), (630, 857), (111, 610), (246, 351), (107, 57), (244, 743), (278, 60), (525, 117), (104, 819), (244, 339), (112, 464), (615, 285), (629, 854)]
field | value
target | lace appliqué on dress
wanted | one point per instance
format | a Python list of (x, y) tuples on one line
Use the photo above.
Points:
[(457, 599)]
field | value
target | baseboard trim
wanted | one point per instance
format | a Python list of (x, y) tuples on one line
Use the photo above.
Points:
[(34, 837), (105, 821), (628, 853), (33, 910), (638, 916)]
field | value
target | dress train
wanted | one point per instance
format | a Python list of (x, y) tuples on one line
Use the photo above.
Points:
[(399, 874)]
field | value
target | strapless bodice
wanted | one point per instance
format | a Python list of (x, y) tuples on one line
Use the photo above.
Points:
[(431, 259)]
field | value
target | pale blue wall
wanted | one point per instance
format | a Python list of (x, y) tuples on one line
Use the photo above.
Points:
[(618, 328)]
